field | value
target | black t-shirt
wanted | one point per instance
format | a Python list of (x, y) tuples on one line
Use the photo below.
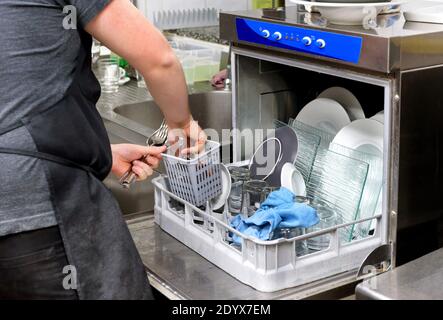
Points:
[(38, 55)]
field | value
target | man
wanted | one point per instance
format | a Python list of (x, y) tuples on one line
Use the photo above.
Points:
[(62, 235)]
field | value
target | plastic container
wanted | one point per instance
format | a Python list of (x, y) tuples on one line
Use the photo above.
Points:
[(200, 61), (207, 64), (196, 180), (187, 61)]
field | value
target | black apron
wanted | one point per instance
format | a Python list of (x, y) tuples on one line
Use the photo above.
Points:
[(70, 136)]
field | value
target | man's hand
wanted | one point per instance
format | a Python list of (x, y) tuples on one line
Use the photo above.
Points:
[(194, 136), (126, 155)]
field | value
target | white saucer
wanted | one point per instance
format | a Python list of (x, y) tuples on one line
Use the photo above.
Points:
[(123, 81), (380, 117), (324, 114), (347, 99), (293, 180), (220, 200), (362, 135)]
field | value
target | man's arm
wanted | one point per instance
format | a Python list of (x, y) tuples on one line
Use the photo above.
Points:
[(124, 30)]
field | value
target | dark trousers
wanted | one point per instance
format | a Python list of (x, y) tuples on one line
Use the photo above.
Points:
[(31, 267)]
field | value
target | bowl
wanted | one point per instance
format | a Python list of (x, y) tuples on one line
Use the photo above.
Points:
[(350, 16), (353, 13)]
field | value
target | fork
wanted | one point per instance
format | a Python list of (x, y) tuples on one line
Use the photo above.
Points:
[(158, 138)]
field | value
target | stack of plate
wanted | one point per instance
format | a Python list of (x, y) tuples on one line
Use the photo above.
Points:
[(338, 112)]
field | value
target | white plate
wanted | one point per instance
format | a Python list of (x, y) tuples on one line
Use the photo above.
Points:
[(380, 117), (324, 114), (362, 135), (220, 200), (349, 13), (347, 99), (293, 180), (365, 136)]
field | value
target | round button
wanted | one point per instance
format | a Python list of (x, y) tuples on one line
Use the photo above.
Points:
[(277, 36), (320, 43), (307, 41), (266, 34)]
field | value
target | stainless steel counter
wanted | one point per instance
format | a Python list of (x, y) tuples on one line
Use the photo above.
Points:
[(421, 279), (180, 273)]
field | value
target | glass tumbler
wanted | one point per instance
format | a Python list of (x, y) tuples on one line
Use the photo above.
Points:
[(254, 193), (301, 247), (239, 176), (108, 74), (328, 218)]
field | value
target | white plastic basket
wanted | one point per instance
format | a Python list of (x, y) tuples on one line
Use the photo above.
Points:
[(197, 180), (264, 265)]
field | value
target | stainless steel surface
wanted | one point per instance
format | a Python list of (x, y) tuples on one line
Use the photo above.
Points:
[(210, 109), (394, 45), (181, 273), (131, 116), (259, 74), (419, 279), (404, 60), (158, 138)]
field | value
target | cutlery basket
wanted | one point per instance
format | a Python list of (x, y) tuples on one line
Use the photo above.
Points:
[(196, 180)]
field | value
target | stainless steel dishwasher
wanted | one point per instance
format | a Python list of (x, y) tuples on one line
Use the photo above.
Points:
[(282, 59)]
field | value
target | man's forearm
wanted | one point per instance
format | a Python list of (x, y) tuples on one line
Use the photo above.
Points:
[(168, 87)]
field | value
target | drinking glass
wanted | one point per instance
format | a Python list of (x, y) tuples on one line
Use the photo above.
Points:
[(140, 80), (108, 74), (301, 247), (239, 176), (328, 218), (254, 193)]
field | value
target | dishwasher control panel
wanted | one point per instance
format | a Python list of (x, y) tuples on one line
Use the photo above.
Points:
[(321, 43)]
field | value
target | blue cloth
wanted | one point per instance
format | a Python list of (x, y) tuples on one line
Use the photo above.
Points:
[(278, 211)]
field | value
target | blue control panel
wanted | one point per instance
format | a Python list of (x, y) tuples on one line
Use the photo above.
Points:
[(327, 44)]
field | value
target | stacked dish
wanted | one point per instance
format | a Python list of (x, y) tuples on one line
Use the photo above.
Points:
[(350, 134)]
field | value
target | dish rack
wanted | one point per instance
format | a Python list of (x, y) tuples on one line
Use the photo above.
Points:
[(267, 266), (274, 265), (178, 14)]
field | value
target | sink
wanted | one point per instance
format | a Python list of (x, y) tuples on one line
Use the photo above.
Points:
[(135, 121), (211, 109)]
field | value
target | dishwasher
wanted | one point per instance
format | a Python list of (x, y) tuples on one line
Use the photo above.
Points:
[(281, 60)]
